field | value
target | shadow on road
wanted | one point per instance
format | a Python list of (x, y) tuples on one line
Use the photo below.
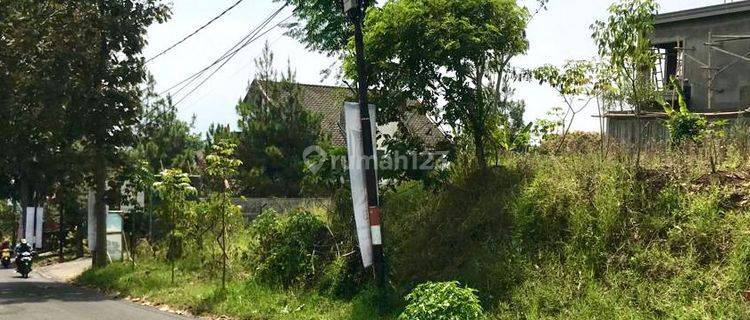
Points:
[(33, 291)]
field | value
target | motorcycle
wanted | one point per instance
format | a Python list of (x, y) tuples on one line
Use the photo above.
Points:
[(24, 264), (5, 258)]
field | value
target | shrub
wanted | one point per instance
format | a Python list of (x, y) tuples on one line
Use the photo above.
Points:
[(471, 216), (344, 277), (287, 249), (442, 301)]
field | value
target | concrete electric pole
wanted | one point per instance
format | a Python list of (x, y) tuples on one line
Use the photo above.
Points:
[(355, 9)]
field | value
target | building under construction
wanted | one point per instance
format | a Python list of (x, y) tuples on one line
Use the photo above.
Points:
[(707, 50)]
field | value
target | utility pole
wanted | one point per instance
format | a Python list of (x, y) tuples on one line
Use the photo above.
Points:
[(355, 9)]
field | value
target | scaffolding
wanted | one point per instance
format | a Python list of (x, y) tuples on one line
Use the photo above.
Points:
[(714, 44)]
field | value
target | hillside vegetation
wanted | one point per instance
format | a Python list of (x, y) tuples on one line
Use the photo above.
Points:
[(538, 236), (579, 237)]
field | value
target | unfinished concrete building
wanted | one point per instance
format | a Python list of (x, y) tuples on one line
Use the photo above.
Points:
[(708, 51)]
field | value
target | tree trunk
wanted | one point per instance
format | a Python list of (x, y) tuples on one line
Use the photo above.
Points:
[(100, 212), (479, 150), (172, 253), (61, 257), (79, 239), (224, 247), (25, 201)]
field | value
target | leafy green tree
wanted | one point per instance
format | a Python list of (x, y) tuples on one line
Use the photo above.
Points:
[(174, 188), (8, 220), (624, 43), (275, 129), (73, 69), (321, 25), (164, 140), (107, 104), (35, 76), (221, 168), (510, 132), (324, 171), (442, 54), (218, 132)]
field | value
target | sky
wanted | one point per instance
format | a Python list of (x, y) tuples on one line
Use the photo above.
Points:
[(555, 35)]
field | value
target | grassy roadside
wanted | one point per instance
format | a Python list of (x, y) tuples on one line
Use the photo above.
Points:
[(569, 237), (243, 299)]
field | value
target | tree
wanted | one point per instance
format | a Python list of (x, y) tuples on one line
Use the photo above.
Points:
[(275, 129), (164, 140), (444, 54), (218, 132), (624, 43), (67, 95), (221, 168), (576, 83), (321, 25), (510, 132), (106, 104), (7, 222), (174, 188), (35, 75)]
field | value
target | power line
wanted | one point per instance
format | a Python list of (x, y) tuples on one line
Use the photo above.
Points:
[(230, 58), (239, 70), (189, 80), (196, 31)]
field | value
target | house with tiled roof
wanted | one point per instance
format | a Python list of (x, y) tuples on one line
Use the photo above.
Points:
[(328, 102)]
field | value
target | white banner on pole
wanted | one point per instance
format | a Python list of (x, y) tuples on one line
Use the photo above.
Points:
[(33, 233), (39, 228), (28, 232), (357, 176), (91, 225)]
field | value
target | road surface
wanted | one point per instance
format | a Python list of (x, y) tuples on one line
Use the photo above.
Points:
[(38, 298)]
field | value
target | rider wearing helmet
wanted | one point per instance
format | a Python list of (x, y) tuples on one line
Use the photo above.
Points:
[(22, 247)]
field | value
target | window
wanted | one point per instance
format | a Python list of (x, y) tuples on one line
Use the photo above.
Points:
[(669, 63)]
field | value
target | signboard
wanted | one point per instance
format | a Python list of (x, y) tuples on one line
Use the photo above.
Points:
[(114, 246), (356, 162), (114, 236), (91, 201), (114, 222)]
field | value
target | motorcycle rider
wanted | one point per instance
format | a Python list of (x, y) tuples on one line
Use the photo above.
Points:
[(22, 247), (5, 245)]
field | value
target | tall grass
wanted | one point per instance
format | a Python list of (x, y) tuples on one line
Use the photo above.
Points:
[(244, 298), (582, 236)]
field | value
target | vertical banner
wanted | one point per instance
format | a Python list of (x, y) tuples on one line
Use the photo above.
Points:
[(91, 225), (39, 229), (356, 159), (34, 227), (28, 230)]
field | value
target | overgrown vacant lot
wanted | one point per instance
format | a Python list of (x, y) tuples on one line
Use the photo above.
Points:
[(539, 236)]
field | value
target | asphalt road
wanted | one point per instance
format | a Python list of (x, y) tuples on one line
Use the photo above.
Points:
[(38, 298)]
